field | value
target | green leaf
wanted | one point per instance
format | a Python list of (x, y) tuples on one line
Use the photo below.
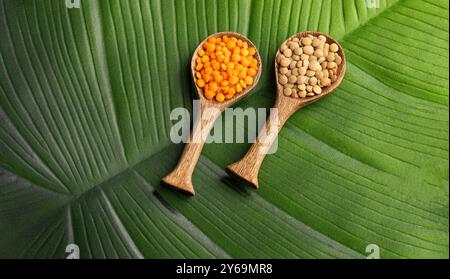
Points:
[(85, 99)]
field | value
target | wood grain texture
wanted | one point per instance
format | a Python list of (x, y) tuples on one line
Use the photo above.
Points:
[(181, 177), (247, 168)]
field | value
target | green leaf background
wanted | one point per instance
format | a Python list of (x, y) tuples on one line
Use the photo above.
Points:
[(85, 99)]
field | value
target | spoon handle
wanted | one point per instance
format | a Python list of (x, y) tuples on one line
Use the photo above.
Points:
[(248, 167), (181, 177)]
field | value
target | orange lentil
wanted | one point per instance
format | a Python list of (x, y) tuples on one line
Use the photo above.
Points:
[(216, 65), (245, 62), (254, 63), (229, 96), (231, 91), (209, 70), (225, 67), (239, 88), (213, 86), (210, 47), (209, 94), (220, 98), (231, 44), (251, 72), (248, 80), (224, 76), (242, 74), (234, 80), (201, 83)]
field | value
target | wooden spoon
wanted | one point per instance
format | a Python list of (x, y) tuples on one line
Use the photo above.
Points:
[(248, 167), (181, 177)]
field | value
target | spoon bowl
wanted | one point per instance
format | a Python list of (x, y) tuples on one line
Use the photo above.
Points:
[(181, 177), (226, 103), (301, 102), (247, 168)]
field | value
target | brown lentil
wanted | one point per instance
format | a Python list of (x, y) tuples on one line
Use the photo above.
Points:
[(307, 65)]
